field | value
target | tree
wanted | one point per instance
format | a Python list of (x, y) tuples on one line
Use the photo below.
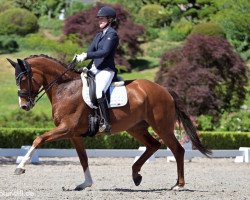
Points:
[(207, 74), (84, 24)]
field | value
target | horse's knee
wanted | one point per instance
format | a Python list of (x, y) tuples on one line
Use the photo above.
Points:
[(38, 142)]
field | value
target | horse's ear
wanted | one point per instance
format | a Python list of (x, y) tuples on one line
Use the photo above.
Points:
[(21, 64), (14, 64)]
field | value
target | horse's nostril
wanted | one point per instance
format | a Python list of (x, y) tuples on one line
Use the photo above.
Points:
[(24, 107)]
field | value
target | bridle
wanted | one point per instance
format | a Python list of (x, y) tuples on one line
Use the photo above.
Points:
[(32, 96)]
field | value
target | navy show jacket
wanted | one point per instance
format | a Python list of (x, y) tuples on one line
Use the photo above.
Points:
[(102, 49)]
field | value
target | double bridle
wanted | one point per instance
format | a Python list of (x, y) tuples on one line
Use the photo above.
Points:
[(32, 96)]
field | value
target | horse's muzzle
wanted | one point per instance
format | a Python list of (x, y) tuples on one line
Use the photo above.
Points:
[(27, 106)]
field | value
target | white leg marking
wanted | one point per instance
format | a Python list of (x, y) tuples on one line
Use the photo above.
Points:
[(20, 101), (88, 180), (26, 158), (177, 188)]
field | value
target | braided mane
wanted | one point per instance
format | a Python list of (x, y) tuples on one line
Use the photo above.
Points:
[(46, 56)]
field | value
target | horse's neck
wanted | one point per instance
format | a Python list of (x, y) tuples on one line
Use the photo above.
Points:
[(51, 71)]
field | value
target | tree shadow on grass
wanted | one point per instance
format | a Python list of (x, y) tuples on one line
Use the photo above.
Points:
[(140, 64)]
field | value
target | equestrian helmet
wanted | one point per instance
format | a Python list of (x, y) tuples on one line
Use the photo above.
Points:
[(106, 11)]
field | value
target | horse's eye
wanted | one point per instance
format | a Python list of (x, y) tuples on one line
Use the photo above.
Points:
[(23, 78)]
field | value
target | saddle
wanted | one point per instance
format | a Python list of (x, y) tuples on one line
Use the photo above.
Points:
[(116, 96)]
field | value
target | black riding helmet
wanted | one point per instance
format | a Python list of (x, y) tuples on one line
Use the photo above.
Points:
[(106, 11)]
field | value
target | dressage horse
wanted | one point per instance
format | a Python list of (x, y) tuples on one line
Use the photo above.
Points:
[(149, 104)]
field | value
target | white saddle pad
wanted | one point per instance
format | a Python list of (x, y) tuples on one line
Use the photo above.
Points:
[(118, 93)]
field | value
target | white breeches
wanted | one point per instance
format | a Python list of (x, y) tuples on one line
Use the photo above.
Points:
[(103, 79)]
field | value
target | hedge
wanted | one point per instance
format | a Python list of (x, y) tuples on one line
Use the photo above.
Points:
[(15, 138)]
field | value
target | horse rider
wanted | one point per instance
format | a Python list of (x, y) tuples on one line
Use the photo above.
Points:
[(102, 52)]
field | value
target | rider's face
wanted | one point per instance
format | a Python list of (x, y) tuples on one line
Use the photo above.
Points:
[(103, 21)]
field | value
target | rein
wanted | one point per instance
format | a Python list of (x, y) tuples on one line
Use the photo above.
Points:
[(50, 85)]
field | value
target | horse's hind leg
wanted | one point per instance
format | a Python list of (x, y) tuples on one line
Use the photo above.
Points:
[(168, 137), (162, 120), (152, 145)]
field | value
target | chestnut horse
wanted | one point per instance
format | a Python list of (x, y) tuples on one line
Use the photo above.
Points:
[(149, 104)]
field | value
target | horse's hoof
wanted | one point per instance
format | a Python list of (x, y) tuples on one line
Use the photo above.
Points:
[(19, 171), (137, 179), (79, 188), (83, 186)]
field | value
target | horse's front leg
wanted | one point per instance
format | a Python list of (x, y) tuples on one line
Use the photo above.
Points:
[(59, 132), (80, 149)]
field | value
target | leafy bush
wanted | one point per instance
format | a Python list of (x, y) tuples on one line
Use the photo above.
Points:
[(8, 44), (234, 18), (180, 30), (76, 7), (54, 25), (17, 21), (208, 75), (154, 15), (41, 7), (210, 29), (236, 121), (17, 137), (84, 25), (5, 5), (205, 123)]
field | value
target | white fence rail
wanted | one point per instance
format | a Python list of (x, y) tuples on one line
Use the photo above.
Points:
[(241, 155)]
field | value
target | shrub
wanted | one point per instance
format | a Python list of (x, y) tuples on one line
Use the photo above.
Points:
[(17, 21), (76, 7), (5, 5), (236, 121), (205, 123), (180, 30), (234, 18), (154, 15), (8, 44), (41, 7), (54, 25), (208, 75), (84, 25), (210, 29)]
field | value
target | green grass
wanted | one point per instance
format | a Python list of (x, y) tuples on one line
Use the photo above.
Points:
[(148, 74)]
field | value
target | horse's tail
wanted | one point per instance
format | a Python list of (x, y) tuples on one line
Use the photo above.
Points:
[(188, 125)]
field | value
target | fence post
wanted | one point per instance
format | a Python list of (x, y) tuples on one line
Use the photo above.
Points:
[(246, 157)]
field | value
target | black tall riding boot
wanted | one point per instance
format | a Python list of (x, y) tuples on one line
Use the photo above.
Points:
[(104, 112)]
